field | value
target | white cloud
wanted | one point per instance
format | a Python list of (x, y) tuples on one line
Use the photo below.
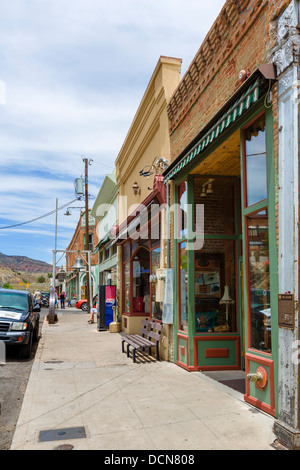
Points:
[(74, 73)]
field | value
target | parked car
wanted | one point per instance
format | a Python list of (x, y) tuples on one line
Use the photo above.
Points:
[(83, 303), (19, 319)]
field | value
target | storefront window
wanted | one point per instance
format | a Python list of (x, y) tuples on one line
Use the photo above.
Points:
[(156, 288), (141, 257), (141, 285), (256, 162), (126, 286), (259, 280), (215, 289), (183, 287)]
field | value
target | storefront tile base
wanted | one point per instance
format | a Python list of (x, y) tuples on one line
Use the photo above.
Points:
[(216, 353)]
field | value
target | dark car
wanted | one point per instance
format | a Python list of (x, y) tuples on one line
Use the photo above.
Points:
[(19, 320)]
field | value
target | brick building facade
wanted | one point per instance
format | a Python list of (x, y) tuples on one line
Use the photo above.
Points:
[(234, 147), (76, 282)]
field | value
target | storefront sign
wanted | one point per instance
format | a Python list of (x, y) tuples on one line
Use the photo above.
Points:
[(286, 311)]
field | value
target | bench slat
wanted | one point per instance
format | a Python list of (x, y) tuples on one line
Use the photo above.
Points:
[(150, 330)]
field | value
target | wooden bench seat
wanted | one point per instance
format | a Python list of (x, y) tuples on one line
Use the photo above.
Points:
[(150, 330)]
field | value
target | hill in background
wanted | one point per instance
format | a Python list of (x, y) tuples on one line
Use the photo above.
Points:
[(18, 271), (24, 264)]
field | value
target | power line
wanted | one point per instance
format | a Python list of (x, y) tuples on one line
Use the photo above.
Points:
[(38, 218), (99, 163)]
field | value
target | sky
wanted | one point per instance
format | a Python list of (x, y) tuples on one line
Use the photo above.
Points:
[(72, 75)]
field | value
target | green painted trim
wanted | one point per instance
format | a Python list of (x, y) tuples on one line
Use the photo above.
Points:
[(238, 124), (221, 237), (230, 116), (175, 267), (190, 269), (261, 395), (230, 361), (269, 203), (108, 264), (256, 207), (274, 288)]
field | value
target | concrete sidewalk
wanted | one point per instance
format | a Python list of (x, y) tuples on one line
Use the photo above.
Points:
[(81, 379)]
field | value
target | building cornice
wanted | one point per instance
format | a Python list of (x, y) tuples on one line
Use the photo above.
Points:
[(233, 23)]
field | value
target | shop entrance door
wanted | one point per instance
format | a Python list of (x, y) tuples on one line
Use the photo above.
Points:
[(259, 264), (83, 292)]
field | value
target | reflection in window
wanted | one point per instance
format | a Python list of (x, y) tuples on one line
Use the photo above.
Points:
[(156, 293), (215, 290), (217, 195), (126, 286), (141, 286), (259, 281), (183, 290), (256, 161), (182, 219)]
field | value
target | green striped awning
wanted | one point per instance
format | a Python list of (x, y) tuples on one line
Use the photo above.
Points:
[(243, 103)]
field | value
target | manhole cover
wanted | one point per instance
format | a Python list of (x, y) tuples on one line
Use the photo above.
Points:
[(64, 447), (61, 434)]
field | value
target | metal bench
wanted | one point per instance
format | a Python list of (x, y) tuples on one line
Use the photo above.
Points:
[(150, 330)]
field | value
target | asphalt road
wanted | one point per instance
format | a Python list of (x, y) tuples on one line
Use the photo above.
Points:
[(14, 375)]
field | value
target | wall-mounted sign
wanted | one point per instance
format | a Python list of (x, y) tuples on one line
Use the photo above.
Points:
[(286, 311), (92, 220)]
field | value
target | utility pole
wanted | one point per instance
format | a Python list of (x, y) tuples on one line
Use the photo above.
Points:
[(51, 314), (88, 299), (54, 254)]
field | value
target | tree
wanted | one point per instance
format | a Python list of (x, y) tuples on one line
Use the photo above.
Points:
[(7, 285), (41, 279)]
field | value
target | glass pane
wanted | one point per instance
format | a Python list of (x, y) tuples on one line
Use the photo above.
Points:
[(154, 226), (217, 195), (141, 285), (256, 162), (126, 252), (183, 291), (126, 286), (182, 216), (156, 288), (259, 281), (13, 301), (215, 289)]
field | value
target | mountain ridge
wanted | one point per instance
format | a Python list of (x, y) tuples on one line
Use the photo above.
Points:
[(24, 264)]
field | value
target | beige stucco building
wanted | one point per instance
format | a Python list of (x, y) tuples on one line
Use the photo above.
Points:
[(139, 165)]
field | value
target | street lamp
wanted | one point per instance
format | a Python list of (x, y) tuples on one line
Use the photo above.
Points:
[(68, 211)]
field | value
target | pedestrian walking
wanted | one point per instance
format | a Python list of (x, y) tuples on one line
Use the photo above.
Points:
[(56, 299), (38, 296), (62, 300)]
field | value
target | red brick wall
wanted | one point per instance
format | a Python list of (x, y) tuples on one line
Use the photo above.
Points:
[(241, 38), (77, 244)]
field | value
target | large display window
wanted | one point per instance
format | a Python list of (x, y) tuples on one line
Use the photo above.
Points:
[(255, 162), (215, 287), (259, 280), (183, 286), (215, 263), (141, 258), (257, 235)]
